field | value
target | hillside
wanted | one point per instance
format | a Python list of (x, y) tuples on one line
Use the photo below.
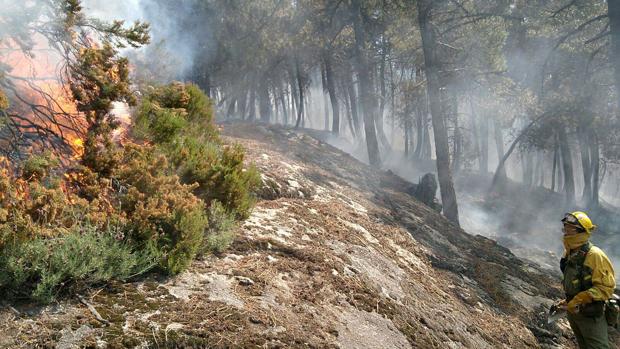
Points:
[(334, 255)]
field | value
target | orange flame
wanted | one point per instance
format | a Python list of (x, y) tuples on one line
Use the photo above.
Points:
[(36, 78), (78, 147), (40, 97)]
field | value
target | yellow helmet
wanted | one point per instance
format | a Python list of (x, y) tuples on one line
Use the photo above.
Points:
[(580, 219)]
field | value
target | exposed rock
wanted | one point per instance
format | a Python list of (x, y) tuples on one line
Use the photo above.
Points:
[(220, 289), (70, 339), (426, 191), (244, 280), (361, 330), (186, 284)]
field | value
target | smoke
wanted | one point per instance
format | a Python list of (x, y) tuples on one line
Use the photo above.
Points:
[(127, 10), (177, 35)]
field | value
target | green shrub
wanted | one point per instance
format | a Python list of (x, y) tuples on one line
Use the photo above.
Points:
[(185, 242), (42, 268), (33, 208), (147, 214), (233, 184), (157, 124), (125, 209), (100, 155), (219, 172), (160, 209), (196, 151), (220, 233), (200, 111), (167, 125), (173, 96), (38, 166)]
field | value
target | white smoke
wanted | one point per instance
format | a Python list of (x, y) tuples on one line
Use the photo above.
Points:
[(175, 46)]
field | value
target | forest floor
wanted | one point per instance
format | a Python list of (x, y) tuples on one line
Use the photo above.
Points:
[(335, 255), (527, 219)]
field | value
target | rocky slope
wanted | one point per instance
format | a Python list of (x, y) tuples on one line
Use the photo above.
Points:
[(335, 255)]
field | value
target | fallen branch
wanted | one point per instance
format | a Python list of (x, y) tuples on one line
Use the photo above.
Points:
[(93, 310), (12, 309)]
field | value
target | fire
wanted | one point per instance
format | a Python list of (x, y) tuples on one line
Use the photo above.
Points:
[(78, 147), (38, 97), (78, 143), (122, 114)]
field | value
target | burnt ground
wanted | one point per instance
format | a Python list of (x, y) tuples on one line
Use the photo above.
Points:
[(335, 255)]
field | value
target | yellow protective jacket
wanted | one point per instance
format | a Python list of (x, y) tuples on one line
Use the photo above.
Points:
[(600, 272), (603, 275)]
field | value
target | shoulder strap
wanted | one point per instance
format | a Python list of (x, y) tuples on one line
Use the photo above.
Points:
[(585, 248), (578, 257), (583, 253)]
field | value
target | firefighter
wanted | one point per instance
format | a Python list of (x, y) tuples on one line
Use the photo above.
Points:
[(588, 282)]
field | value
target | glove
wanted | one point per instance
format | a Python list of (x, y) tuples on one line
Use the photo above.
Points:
[(581, 299)]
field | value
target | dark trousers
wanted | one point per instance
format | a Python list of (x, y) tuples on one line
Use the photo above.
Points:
[(591, 332)]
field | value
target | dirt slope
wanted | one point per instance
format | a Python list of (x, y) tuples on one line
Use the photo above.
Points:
[(335, 255)]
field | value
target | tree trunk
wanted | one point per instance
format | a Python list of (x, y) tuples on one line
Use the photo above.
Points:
[(560, 170), (448, 195), (595, 166), (382, 80), (567, 165), (420, 132), (331, 88), (204, 80), (542, 172), (306, 120), (539, 173), (231, 108), (252, 102), (243, 104), (458, 138), (379, 121), (406, 140), (613, 12), (353, 101), (300, 86), (528, 169), (381, 134), (392, 94), (458, 148), (284, 106), (427, 148), (264, 101), (347, 106), (556, 155), (324, 93), (586, 162), (366, 86), (499, 146), (293, 99), (411, 136), (476, 135), (536, 169), (276, 106), (484, 144), (422, 141)]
